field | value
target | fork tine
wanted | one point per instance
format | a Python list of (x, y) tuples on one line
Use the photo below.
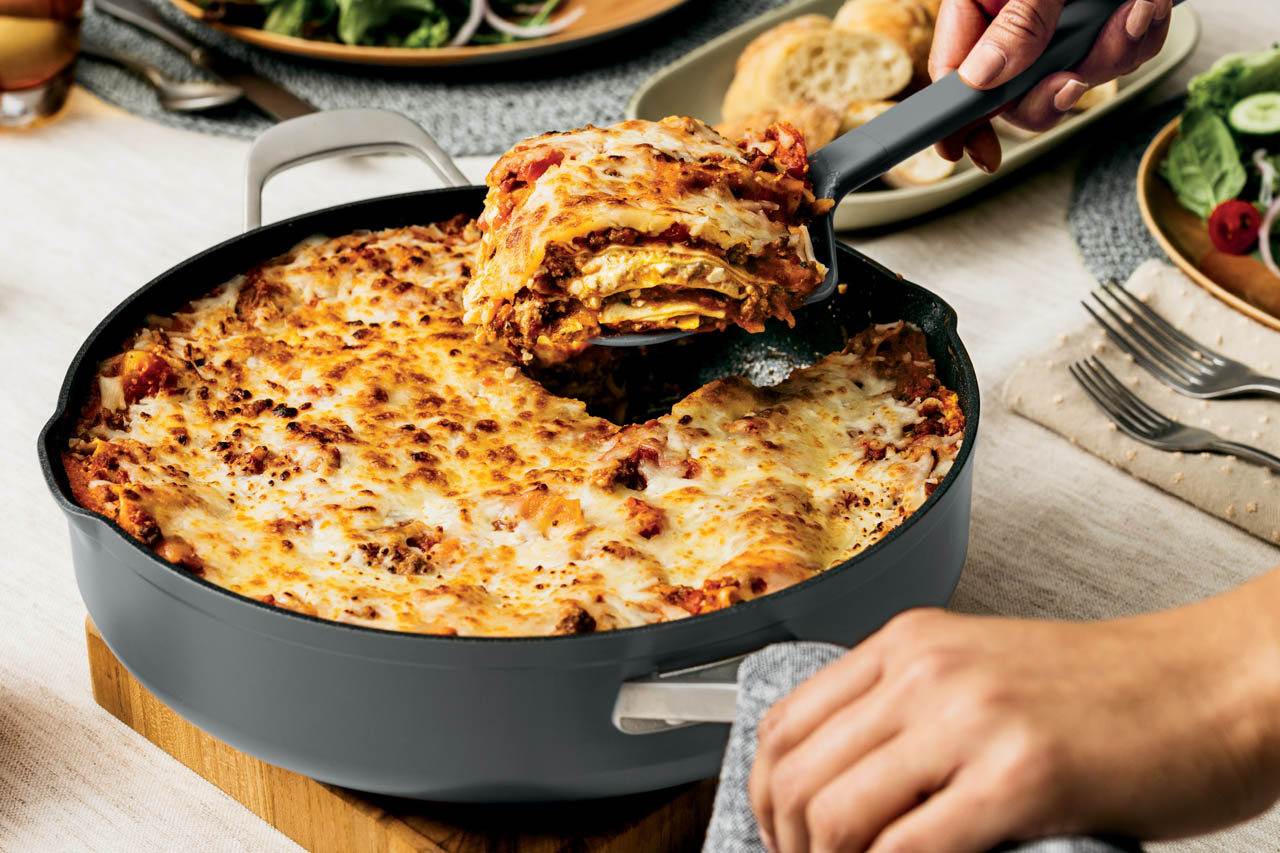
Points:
[(1119, 416), (1138, 307), (1185, 357), (1116, 404), (1133, 399), (1167, 374), (1174, 358)]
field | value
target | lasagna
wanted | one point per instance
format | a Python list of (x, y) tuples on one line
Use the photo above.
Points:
[(640, 227), (324, 434)]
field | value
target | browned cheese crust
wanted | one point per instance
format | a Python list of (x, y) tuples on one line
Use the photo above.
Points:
[(324, 434)]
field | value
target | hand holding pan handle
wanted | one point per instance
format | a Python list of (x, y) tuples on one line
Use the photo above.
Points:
[(337, 133)]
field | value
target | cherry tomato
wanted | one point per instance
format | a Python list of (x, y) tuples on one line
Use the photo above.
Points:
[(1233, 226)]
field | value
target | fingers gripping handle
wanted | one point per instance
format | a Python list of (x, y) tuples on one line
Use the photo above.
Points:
[(949, 105), (335, 133)]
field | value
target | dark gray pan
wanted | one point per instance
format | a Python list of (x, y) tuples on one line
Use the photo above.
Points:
[(487, 719)]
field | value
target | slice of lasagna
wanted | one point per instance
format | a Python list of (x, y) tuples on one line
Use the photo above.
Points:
[(640, 227)]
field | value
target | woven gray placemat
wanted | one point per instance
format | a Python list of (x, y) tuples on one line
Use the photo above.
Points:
[(1104, 216), (479, 110)]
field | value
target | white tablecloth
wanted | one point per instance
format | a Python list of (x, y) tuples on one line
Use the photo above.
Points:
[(96, 204)]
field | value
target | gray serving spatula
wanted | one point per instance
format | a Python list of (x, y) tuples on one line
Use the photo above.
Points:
[(933, 113)]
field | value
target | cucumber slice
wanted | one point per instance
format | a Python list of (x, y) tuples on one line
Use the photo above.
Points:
[(1257, 115)]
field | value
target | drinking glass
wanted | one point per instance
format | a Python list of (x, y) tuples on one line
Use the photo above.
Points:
[(38, 44)]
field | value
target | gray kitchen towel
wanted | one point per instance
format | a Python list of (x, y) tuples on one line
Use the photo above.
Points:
[(764, 678), (472, 110), (1104, 215)]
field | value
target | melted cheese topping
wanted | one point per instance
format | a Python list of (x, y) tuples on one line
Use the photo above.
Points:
[(649, 179), (324, 434)]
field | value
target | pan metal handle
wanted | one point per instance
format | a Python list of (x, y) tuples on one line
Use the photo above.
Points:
[(707, 693), (336, 133)]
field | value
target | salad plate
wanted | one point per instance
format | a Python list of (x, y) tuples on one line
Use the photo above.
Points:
[(591, 21), (1214, 184)]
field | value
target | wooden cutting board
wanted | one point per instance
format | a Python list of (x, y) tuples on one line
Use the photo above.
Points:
[(324, 818)]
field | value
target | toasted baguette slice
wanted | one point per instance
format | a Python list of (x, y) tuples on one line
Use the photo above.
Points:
[(819, 64), (1004, 127), (1097, 95), (927, 167), (907, 22), (804, 23), (818, 124)]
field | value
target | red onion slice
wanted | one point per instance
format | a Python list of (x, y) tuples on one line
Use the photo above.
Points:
[(479, 8), (1268, 173), (502, 25), (1264, 237)]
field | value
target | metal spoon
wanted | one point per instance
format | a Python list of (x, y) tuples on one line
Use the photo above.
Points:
[(173, 94), (931, 114)]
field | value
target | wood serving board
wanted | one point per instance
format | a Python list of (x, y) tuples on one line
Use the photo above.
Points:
[(324, 818)]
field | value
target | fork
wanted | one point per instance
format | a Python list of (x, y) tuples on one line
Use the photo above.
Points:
[(1140, 421), (1170, 355)]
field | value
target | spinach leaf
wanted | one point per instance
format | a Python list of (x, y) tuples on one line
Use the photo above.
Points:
[(1203, 166)]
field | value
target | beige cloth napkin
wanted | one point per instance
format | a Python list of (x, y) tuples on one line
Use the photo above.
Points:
[(1242, 493)]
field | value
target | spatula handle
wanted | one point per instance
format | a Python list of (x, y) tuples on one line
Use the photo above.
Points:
[(948, 105)]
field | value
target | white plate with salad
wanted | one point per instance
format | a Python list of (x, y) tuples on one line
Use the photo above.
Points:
[(423, 32), (1209, 184)]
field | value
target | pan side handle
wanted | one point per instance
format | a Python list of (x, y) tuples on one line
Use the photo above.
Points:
[(707, 693), (336, 133)]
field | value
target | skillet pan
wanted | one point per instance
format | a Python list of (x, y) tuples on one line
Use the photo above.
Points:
[(476, 719)]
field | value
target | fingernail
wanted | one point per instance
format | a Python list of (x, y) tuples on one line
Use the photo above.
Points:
[(983, 64), (1140, 18), (1162, 11), (768, 841), (1069, 94)]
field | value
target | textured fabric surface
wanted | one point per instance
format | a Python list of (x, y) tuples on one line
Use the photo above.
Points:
[(1239, 492), (482, 110), (99, 202), (1104, 215), (763, 679)]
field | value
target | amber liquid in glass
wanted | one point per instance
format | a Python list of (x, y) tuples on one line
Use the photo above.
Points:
[(37, 64)]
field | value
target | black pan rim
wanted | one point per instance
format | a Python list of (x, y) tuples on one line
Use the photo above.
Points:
[(50, 461)]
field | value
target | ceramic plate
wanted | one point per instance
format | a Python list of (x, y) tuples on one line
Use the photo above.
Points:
[(696, 84), (602, 19), (1238, 280)]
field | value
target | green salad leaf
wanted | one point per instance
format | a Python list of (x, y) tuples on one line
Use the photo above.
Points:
[(430, 33), (393, 23), (1203, 166), (1234, 77), (298, 17)]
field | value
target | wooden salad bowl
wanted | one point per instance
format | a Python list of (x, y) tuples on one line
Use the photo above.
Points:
[(1241, 281)]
